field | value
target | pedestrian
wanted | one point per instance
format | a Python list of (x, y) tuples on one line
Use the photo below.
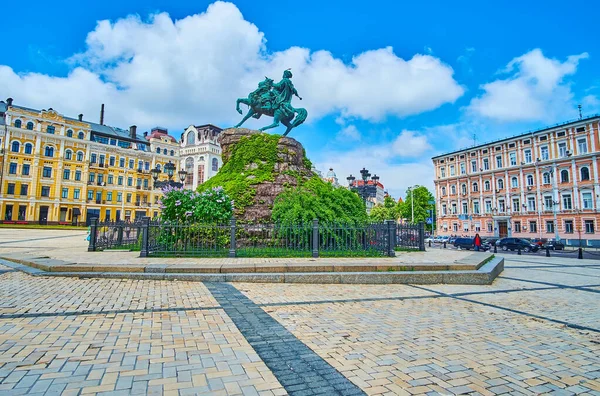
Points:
[(477, 242)]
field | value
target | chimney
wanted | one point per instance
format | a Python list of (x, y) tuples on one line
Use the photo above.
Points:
[(145, 134), (132, 131), (80, 116), (9, 101), (102, 114)]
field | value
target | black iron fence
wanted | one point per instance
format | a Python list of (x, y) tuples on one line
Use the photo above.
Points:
[(236, 239)]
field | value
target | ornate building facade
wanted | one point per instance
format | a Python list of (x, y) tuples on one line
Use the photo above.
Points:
[(57, 169), (542, 184), (200, 154)]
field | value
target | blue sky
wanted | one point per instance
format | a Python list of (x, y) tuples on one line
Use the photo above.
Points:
[(387, 84)]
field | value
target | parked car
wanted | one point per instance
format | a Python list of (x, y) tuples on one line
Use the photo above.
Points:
[(464, 243), (451, 239), (444, 239), (429, 239), (489, 243), (516, 243), (540, 241), (553, 244)]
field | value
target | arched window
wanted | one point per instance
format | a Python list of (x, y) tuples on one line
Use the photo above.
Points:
[(68, 154), (81, 135), (158, 166), (191, 138), (189, 163), (486, 185), (28, 148), (165, 151), (215, 164), (30, 126), (17, 123), (463, 189), (514, 182), (585, 173), (443, 191), (500, 184), (70, 133), (80, 156), (158, 150), (546, 178), (15, 146), (201, 158), (49, 151), (452, 188), (530, 180), (50, 129), (172, 153), (475, 187), (564, 176)]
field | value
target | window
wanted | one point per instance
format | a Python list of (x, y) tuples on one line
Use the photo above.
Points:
[(455, 227), (92, 177), (475, 187), (443, 191), (514, 182), (49, 151), (12, 168), (442, 172), (453, 190), (158, 150), (110, 179), (544, 151), (564, 176), (527, 156), (81, 135), (78, 175), (488, 206), (489, 227), (120, 180), (129, 182), (79, 156), (69, 133), (11, 189), (513, 158), (453, 208), (109, 196), (119, 197), (76, 193), (50, 129), (589, 226), (113, 142), (531, 204), (15, 146), (24, 189), (122, 162), (146, 184), (47, 171), (129, 198), (64, 193), (140, 165), (18, 124), (567, 202), (562, 149), (465, 207), (90, 195), (529, 180), (131, 164), (549, 226), (581, 146), (25, 169), (30, 126), (587, 200), (111, 161), (486, 185), (517, 226), (548, 201), (172, 153), (463, 170), (533, 227), (500, 184), (476, 207), (516, 207), (486, 164), (28, 148), (473, 166), (147, 165), (45, 191), (102, 160), (94, 158), (546, 178), (569, 226), (66, 174), (165, 151), (68, 155), (100, 180), (452, 170), (498, 161), (501, 206), (585, 173), (190, 138), (463, 189)]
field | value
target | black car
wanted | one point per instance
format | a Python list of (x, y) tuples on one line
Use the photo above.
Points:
[(516, 243), (489, 243), (554, 245), (464, 243)]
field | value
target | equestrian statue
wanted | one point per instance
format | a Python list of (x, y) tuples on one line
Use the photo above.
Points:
[(274, 100)]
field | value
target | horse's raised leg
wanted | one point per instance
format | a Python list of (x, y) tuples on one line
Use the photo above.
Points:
[(289, 126), (248, 115), (241, 100), (275, 123)]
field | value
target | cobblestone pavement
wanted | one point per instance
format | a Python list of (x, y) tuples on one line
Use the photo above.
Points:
[(536, 330)]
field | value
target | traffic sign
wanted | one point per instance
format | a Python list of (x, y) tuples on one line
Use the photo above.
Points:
[(429, 220)]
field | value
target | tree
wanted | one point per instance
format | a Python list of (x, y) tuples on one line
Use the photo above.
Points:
[(387, 211), (422, 196)]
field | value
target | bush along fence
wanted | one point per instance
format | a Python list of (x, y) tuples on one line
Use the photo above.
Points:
[(157, 238)]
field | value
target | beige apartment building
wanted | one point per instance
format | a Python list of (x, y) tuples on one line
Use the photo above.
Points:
[(540, 184)]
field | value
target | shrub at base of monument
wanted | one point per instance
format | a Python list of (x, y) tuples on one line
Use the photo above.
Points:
[(210, 206)]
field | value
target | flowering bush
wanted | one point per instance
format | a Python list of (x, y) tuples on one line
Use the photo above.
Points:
[(210, 206)]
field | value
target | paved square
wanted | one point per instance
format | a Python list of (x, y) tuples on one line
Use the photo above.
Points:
[(536, 330)]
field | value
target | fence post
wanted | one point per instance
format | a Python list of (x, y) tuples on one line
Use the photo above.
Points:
[(315, 238), (580, 253), (547, 251), (93, 235), (119, 234), (422, 236), (391, 228), (145, 232), (232, 237)]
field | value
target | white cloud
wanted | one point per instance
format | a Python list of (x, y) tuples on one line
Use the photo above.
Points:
[(409, 144), (535, 90), (349, 133), (191, 70)]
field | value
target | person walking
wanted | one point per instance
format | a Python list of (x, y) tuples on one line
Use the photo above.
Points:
[(477, 242)]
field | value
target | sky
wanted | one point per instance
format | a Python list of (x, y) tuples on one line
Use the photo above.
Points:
[(387, 84)]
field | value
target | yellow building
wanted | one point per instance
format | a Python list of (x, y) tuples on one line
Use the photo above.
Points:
[(60, 170)]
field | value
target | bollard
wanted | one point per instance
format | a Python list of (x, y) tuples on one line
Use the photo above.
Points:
[(580, 254), (519, 252), (495, 248), (444, 245), (547, 251), (430, 243)]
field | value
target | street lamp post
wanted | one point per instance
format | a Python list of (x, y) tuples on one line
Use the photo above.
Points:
[(365, 191), (169, 170), (555, 201)]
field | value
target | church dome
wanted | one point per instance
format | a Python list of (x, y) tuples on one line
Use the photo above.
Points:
[(331, 174)]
